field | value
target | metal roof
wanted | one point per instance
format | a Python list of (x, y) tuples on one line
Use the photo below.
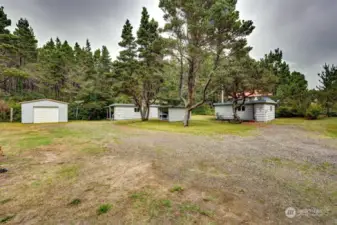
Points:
[(127, 105), (264, 100), (43, 99)]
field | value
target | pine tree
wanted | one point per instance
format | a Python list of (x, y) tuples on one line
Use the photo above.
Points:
[(58, 43), (4, 22), (328, 87), (27, 43), (50, 44), (140, 79), (9, 56)]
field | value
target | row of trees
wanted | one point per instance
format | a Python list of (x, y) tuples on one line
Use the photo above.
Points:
[(201, 52)]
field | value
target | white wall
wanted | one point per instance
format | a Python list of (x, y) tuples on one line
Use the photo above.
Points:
[(27, 111), (128, 113), (226, 112), (125, 113), (264, 112), (176, 114), (154, 112)]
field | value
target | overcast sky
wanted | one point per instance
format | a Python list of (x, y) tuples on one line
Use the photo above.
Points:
[(304, 29)]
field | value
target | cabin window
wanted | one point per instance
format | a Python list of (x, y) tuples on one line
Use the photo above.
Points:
[(136, 110), (242, 108), (271, 108)]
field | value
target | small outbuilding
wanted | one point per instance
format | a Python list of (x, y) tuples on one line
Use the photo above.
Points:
[(129, 112), (259, 109), (171, 113), (44, 111)]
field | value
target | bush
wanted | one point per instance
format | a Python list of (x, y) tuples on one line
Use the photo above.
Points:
[(203, 110), (288, 112), (103, 209), (284, 111), (313, 111), (332, 114)]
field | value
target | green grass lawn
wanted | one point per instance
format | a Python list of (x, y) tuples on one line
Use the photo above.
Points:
[(199, 125), (325, 126)]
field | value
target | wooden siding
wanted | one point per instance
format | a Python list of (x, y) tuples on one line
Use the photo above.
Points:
[(264, 112), (128, 113), (176, 114), (226, 112)]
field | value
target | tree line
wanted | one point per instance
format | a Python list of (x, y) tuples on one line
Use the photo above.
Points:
[(200, 54)]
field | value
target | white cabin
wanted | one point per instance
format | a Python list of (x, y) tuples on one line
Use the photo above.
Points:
[(171, 113), (129, 112), (259, 109)]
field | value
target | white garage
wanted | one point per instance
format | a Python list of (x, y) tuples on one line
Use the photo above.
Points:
[(44, 111)]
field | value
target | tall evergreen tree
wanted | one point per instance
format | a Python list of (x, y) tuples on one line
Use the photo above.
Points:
[(140, 78), (328, 87), (9, 56), (27, 43), (4, 22)]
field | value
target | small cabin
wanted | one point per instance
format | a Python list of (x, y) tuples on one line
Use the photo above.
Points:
[(171, 113), (129, 112), (259, 109)]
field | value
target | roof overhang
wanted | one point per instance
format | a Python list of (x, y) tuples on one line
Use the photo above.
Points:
[(43, 99)]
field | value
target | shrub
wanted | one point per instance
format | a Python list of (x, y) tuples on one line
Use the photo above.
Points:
[(313, 111), (176, 189), (76, 201), (288, 112), (284, 111), (203, 110), (103, 209), (332, 114)]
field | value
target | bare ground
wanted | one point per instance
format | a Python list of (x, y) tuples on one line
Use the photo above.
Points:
[(225, 179)]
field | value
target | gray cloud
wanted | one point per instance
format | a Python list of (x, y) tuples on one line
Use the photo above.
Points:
[(101, 21), (304, 29)]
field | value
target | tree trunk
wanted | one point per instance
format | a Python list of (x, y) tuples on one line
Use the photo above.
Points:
[(236, 118), (144, 112), (187, 117)]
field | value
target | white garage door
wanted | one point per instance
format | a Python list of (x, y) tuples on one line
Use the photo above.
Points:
[(46, 115)]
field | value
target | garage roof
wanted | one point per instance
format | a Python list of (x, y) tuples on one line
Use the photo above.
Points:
[(43, 99)]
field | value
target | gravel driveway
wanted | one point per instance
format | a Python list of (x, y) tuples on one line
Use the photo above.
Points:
[(280, 167)]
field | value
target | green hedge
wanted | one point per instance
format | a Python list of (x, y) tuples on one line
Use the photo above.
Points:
[(288, 112), (203, 110)]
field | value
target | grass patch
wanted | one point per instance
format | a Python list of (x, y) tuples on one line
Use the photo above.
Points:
[(6, 219), (177, 188), (193, 208), (199, 125), (69, 172), (139, 196), (325, 126), (34, 141), (304, 167), (93, 150), (75, 202), (102, 209), (2, 202)]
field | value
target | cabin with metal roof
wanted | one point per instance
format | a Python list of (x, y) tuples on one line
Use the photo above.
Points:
[(131, 111), (259, 109)]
